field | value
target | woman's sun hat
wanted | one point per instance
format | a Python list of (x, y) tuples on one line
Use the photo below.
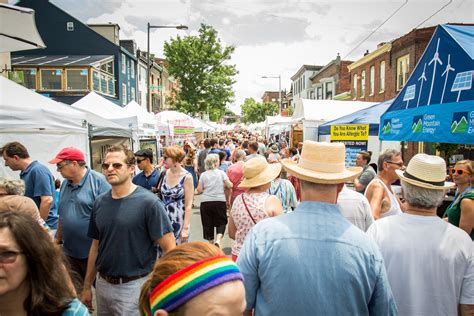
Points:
[(257, 172), (426, 171), (274, 148), (321, 163)]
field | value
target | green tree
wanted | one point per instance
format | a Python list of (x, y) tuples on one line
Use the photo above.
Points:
[(201, 65), (254, 112)]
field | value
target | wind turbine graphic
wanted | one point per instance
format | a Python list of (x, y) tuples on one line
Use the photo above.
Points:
[(434, 61), (422, 78), (446, 72)]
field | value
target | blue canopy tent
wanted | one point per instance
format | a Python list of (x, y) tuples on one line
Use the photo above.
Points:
[(370, 115), (437, 102)]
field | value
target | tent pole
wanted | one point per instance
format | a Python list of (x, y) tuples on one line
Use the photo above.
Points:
[(89, 134)]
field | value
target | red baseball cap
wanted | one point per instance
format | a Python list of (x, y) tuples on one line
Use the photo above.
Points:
[(68, 153)]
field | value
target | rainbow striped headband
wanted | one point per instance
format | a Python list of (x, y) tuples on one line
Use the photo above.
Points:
[(191, 281)]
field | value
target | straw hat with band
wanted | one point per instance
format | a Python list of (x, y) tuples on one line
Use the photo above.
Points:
[(321, 163), (274, 148), (427, 172), (257, 172)]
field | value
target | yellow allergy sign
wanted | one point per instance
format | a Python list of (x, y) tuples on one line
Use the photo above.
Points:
[(350, 132)]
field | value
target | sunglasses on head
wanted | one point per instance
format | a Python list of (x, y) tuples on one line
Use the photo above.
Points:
[(116, 165), (459, 172)]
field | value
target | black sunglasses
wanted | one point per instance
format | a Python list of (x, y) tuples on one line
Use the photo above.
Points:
[(116, 165), (140, 160), (399, 164)]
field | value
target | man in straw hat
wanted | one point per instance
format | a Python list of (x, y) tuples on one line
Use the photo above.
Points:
[(313, 261), (430, 263)]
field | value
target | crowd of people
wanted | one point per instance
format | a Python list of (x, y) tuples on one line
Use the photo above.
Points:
[(310, 235)]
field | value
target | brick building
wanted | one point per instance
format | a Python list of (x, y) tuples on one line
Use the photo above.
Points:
[(331, 81), (379, 75), (272, 96)]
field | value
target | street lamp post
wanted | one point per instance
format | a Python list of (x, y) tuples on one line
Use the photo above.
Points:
[(178, 27), (279, 87)]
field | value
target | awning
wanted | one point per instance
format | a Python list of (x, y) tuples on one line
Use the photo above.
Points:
[(60, 60)]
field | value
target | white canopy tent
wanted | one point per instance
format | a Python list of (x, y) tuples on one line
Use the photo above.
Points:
[(276, 124), (18, 29), (312, 113), (100, 106), (146, 120), (41, 124), (202, 126)]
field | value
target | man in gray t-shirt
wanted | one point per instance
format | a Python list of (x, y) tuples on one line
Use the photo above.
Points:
[(368, 173), (126, 225)]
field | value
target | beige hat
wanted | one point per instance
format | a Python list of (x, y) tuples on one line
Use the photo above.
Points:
[(257, 172), (426, 171), (321, 163)]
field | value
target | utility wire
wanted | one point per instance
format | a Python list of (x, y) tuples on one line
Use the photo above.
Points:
[(439, 10), (375, 30)]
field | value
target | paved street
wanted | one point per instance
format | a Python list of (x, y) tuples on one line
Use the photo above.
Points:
[(196, 227)]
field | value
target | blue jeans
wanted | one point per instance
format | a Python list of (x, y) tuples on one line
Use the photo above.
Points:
[(118, 299)]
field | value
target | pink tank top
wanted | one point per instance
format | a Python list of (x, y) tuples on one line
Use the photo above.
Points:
[(242, 220)]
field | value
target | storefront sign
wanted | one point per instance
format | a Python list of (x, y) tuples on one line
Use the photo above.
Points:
[(354, 136)]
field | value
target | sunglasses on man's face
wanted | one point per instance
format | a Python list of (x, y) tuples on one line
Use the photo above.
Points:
[(140, 160), (459, 172), (116, 165)]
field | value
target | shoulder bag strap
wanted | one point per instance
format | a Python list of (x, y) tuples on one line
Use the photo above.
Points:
[(160, 180), (245, 204)]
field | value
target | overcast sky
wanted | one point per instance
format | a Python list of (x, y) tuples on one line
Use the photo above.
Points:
[(272, 37)]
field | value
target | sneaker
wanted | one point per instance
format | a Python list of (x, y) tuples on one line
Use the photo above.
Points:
[(217, 244)]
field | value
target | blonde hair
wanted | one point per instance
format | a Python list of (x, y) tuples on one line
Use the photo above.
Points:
[(468, 165), (211, 161), (175, 152), (179, 258), (13, 186)]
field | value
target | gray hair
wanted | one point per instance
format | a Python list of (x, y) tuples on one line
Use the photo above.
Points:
[(211, 161), (421, 197), (387, 155), (240, 154), (13, 186)]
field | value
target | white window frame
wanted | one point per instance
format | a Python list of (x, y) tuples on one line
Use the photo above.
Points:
[(362, 84), (124, 94), (372, 81), (355, 77), (382, 77), (133, 94), (124, 64), (402, 62)]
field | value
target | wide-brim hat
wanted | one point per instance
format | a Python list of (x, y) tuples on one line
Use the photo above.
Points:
[(257, 172), (321, 163), (426, 171), (274, 149)]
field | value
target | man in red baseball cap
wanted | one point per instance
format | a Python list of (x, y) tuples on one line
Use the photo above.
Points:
[(77, 195)]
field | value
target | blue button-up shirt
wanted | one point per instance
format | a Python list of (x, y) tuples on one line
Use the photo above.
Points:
[(39, 181), (147, 182), (314, 262), (75, 207)]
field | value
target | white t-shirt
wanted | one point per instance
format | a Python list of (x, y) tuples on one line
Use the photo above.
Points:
[(429, 263), (213, 184), (355, 208)]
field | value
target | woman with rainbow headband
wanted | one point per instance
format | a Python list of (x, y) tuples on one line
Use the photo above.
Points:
[(193, 279)]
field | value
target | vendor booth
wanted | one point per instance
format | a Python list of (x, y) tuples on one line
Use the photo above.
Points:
[(312, 113), (437, 102), (41, 124), (180, 127), (358, 131), (277, 127)]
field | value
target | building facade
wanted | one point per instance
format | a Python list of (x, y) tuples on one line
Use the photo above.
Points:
[(379, 75), (331, 81), (301, 83), (76, 60)]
